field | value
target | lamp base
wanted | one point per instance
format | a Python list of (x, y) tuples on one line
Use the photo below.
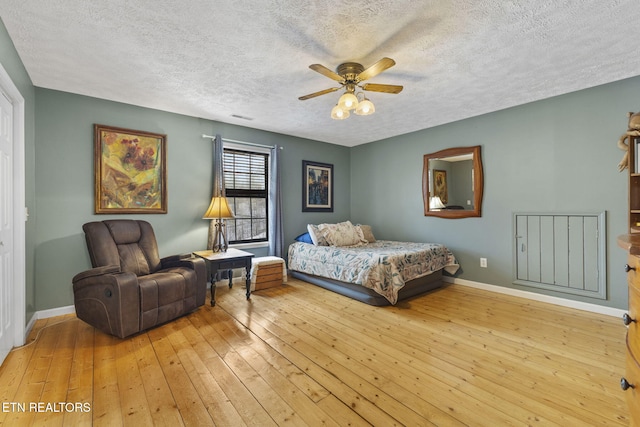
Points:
[(219, 243)]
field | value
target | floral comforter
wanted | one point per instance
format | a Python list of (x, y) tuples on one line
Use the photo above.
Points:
[(383, 266)]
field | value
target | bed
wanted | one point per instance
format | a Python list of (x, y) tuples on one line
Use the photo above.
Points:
[(376, 272)]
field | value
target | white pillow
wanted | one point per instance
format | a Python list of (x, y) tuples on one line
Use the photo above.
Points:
[(316, 235), (342, 234)]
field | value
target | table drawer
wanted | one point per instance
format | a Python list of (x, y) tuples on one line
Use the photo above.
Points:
[(633, 275), (633, 333), (231, 264), (632, 375)]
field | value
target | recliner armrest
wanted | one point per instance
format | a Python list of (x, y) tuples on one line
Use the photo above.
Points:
[(109, 302), (115, 278), (98, 271), (182, 260), (194, 263), (174, 258)]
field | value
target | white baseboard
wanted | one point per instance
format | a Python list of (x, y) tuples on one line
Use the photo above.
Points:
[(594, 308), (30, 324), (53, 312), (45, 314)]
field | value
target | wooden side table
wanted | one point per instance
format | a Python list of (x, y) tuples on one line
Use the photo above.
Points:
[(226, 261)]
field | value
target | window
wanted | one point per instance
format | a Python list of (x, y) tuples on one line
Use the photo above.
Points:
[(246, 186)]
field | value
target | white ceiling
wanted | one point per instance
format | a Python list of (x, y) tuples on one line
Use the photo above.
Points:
[(219, 58)]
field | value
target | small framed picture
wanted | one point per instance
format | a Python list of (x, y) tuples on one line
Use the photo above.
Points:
[(440, 185), (130, 171), (317, 187)]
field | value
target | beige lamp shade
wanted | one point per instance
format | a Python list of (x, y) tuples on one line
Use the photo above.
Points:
[(219, 209), (436, 203)]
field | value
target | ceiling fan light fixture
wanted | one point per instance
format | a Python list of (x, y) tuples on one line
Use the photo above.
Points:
[(348, 101), (350, 75), (337, 113), (365, 107)]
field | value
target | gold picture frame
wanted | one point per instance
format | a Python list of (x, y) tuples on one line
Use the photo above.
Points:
[(440, 185), (130, 171)]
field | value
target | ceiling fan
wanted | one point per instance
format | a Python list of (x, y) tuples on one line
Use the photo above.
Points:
[(350, 75)]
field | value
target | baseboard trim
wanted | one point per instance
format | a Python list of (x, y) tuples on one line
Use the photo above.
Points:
[(30, 324), (593, 308), (45, 314), (53, 312)]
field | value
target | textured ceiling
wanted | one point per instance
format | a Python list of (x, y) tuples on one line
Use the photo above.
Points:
[(219, 58)]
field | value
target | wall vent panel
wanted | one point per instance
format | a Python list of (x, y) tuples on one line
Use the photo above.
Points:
[(561, 252)]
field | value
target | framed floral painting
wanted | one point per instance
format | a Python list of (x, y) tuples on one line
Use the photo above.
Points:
[(130, 171)]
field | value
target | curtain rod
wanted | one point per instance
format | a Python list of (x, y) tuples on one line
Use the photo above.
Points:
[(242, 142)]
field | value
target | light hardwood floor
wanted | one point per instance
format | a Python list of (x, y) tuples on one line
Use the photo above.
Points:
[(300, 355)]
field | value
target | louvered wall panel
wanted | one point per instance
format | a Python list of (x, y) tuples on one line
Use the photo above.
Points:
[(561, 252)]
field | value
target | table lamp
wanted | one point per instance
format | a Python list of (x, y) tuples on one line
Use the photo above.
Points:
[(219, 210)]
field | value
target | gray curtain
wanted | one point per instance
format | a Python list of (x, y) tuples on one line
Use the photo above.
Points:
[(276, 233), (218, 182)]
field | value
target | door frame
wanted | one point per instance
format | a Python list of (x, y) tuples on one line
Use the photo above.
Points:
[(19, 207)]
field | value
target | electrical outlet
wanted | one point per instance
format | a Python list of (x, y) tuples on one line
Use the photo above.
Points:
[(483, 262)]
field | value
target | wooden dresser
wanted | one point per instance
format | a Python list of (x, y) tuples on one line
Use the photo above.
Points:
[(630, 383)]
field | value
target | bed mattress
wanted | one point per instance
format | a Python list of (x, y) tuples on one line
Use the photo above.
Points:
[(383, 266)]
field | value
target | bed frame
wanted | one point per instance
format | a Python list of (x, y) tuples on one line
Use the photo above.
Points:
[(368, 296)]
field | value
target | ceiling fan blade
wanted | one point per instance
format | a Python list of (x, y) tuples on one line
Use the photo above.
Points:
[(373, 87), (322, 92), (376, 69), (326, 72)]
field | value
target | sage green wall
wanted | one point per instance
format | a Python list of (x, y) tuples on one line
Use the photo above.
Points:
[(461, 184), (64, 182), (13, 65), (555, 155)]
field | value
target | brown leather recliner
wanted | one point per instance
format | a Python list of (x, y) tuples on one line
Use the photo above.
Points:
[(130, 288)]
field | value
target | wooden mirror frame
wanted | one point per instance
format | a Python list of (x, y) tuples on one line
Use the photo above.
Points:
[(478, 183)]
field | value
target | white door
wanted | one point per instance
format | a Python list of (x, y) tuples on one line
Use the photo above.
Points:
[(6, 228)]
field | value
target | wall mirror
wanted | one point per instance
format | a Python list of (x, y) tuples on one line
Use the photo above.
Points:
[(452, 183)]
